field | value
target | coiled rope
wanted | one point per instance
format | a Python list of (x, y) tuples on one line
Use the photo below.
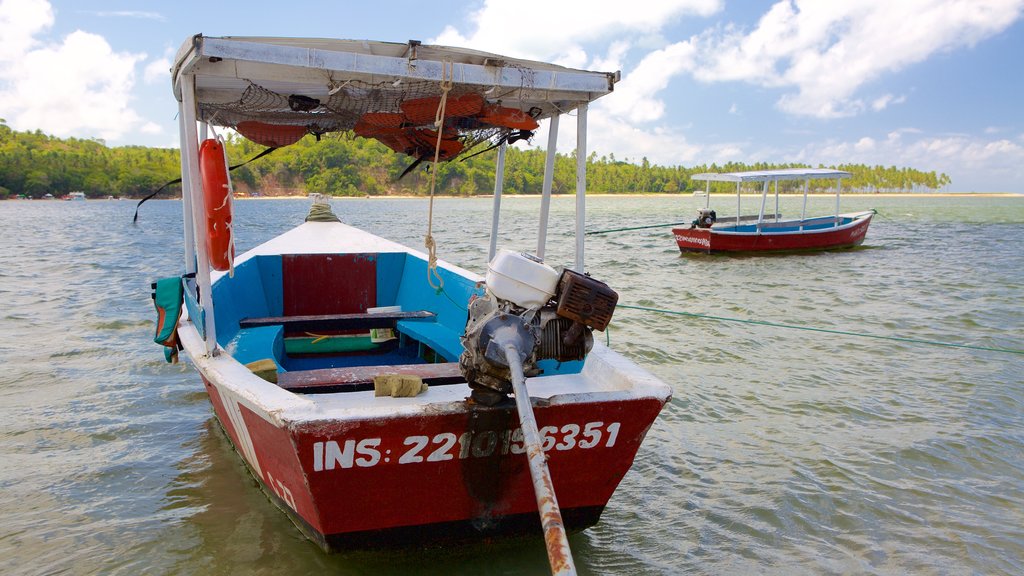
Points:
[(825, 330)]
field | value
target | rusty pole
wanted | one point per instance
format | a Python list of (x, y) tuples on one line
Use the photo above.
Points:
[(559, 555)]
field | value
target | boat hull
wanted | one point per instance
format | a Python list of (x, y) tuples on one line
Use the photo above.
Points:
[(453, 473), (710, 240)]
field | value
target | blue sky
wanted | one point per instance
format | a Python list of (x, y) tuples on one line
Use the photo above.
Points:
[(931, 84)]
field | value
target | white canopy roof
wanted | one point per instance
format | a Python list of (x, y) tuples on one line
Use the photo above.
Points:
[(255, 78), (772, 175)]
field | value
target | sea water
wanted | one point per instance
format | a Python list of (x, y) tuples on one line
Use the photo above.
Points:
[(783, 451)]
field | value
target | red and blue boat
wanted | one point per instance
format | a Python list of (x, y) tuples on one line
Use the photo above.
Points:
[(378, 395), (769, 232)]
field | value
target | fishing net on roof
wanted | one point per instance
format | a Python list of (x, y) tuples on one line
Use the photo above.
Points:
[(401, 115)]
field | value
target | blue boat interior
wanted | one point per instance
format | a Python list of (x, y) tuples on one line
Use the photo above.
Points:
[(787, 226), (276, 289)]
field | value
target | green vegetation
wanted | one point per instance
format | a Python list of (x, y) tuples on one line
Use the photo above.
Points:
[(34, 164)]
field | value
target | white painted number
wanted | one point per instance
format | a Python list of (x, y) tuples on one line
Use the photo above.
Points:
[(411, 456), (367, 452)]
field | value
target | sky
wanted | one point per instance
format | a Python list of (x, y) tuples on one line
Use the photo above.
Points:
[(928, 84)]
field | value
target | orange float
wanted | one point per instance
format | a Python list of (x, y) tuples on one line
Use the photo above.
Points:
[(507, 118), (424, 110), (276, 135), (213, 169)]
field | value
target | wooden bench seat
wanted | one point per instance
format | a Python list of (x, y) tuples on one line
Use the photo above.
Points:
[(358, 378), (335, 321)]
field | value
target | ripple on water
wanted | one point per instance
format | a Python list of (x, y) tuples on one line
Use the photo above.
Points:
[(782, 451)]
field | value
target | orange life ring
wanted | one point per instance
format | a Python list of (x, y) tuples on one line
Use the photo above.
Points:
[(217, 194)]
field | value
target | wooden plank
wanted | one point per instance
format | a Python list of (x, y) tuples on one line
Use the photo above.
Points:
[(356, 378), (316, 322)]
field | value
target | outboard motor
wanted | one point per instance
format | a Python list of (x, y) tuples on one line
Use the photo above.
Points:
[(529, 305), (705, 218)]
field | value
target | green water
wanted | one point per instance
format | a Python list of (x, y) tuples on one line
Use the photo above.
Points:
[(782, 451)]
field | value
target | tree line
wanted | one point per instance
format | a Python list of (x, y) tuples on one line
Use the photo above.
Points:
[(33, 164)]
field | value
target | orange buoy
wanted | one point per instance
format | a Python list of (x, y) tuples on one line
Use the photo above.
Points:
[(425, 140), (383, 119), (507, 118), (213, 168), (423, 110), (276, 135)]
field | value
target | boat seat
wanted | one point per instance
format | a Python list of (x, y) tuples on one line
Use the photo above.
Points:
[(442, 339), (259, 343), (321, 322), (359, 378)]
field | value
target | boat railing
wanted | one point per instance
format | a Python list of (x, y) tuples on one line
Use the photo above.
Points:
[(726, 220)]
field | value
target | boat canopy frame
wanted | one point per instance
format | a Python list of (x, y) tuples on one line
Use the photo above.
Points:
[(766, 176), (212, 77)]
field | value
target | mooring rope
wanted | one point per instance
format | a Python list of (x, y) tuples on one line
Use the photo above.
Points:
[(825, 330), (447, 76), (594, 232)]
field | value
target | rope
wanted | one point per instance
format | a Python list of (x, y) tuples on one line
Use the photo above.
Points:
[(826, 330), (447, 74), (321, 213), (637, 228), (135, 218)]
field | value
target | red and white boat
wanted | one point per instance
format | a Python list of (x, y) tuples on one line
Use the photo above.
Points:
[(302, 341), (769, 232)]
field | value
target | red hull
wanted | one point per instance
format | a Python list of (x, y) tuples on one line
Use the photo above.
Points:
[(708, 240), (431, 479)]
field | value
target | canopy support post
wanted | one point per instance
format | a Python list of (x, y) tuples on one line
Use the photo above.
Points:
[(775, 218), (764, 198), (838, 186), (186, 199), (499, 184), (737, 201), (803, 211), (190, 150), (581, 182), (549, 176)]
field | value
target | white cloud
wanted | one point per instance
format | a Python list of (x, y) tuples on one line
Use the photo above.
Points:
[(561, 31), (20, 20), (975, 164), (133, 14), (634, 98), (159, 70), (77, 87), (827, 51), (883, 102), (557, 30)]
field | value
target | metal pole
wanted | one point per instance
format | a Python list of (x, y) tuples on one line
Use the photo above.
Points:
[(738, 204), (581, 182), (499, 184), (776, 216), (189, 149), (838, 181), (549, 176), (186, 198), (559, 555), (803, 211), (764, 198)]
